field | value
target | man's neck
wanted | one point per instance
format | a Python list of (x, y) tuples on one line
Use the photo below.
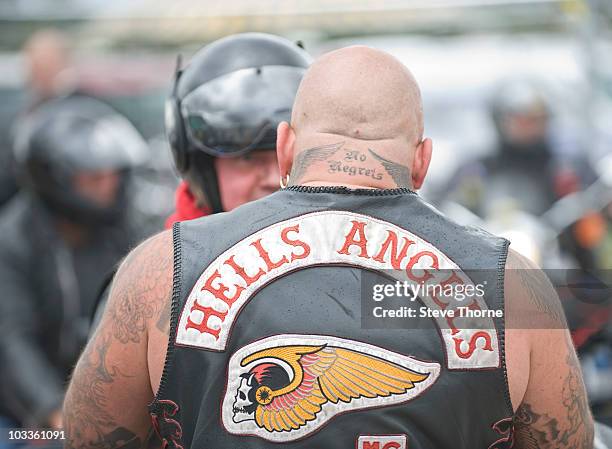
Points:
[(350, 163)]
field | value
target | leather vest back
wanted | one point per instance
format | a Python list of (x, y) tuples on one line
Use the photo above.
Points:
[(277, 337)]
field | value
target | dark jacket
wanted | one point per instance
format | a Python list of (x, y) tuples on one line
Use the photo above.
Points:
[(47, 293)]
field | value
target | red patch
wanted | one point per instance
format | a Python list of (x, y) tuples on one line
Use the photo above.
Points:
[(382, 442)]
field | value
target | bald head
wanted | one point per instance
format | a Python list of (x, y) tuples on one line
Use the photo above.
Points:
[(361, 93), (357, 121), (47, 55)]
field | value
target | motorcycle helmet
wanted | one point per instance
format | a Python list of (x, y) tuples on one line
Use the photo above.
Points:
[(229, 101), (521, 113), (72, 135)]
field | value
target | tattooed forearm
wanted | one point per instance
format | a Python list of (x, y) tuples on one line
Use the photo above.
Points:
[(87, 420), (534, 430), (400, 173), (308, 157), (119, 438), (87, 412), (579, 433), (539, 430)]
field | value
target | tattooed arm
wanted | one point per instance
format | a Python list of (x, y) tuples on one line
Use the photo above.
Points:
[(106, 402), (553, 411)]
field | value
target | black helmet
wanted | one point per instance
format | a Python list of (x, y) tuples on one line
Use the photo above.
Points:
[(72, 135), (229, 100)]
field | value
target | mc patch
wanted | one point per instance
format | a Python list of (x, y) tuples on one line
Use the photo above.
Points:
[(381, 442), (286, 387)]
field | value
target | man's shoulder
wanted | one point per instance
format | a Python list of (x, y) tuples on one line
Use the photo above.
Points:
[(155, 250), (142, 286), (470, 235), (146, 268), (531, 299)]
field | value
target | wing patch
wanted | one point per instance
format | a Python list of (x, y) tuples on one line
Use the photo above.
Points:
[(285, 387)]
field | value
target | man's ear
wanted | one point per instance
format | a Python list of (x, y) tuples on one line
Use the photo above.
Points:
[(420, 163), (285, 143)]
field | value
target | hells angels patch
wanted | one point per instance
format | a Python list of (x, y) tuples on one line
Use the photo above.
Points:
[(332, 237), (286, 387)]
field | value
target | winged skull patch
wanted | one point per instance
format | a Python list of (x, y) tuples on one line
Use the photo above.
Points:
[(285, 387)]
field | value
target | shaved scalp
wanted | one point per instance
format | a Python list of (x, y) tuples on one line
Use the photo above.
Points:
[(362, 93), (360, 100)]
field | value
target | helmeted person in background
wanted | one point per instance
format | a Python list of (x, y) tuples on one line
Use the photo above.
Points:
[(254, 333), (530, 165), (221, 120), (60, 235), (530, 169)]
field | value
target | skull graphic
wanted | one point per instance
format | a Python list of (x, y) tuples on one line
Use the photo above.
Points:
[(244, 402), (256, 389)]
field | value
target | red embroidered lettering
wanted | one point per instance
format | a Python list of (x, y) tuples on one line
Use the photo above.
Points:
[(391, 242), (415, 259), (203, 327), (369, 445), (381, 442), (240, 271), (266, 257), (362, 242), (219, 292), (288, 241), (472, 345)]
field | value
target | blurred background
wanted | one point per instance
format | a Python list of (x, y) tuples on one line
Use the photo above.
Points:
[(517, 98)]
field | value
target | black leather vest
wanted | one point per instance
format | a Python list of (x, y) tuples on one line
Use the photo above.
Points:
[(269, 345)]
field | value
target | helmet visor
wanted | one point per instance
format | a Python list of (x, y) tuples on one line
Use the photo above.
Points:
[(240, 111)]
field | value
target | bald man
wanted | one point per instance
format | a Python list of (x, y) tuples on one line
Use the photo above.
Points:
[(50, 70), (284, 323)]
